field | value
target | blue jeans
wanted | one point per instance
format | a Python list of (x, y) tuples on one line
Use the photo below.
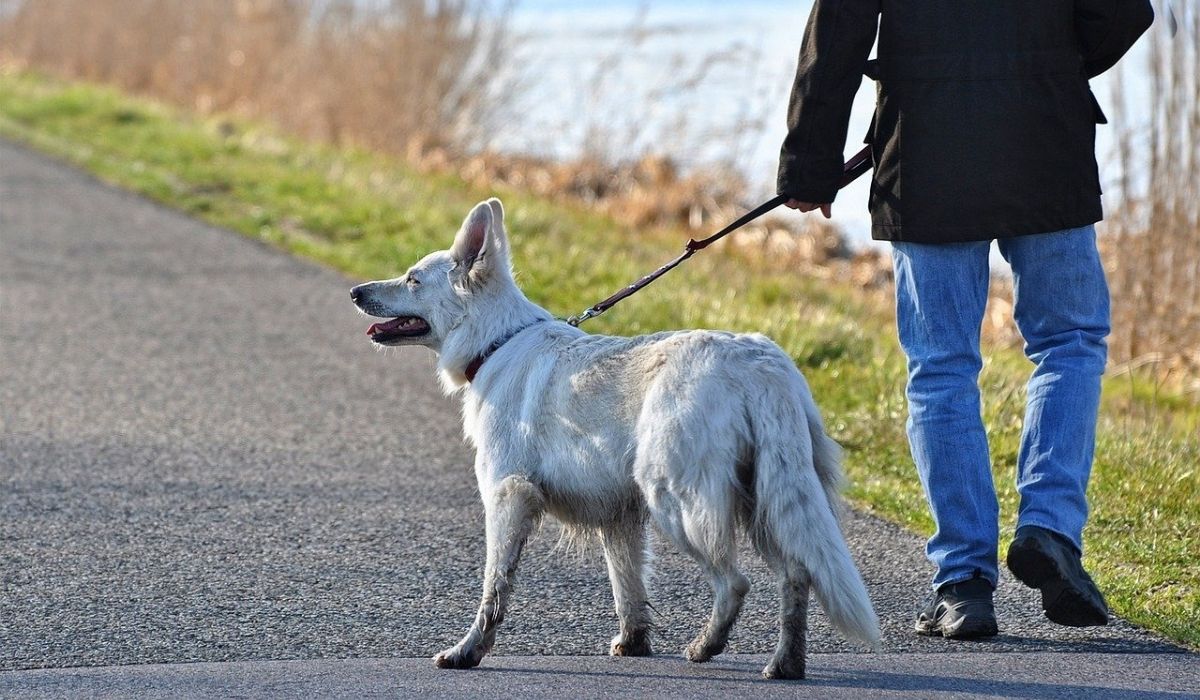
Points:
[(1062, 311)]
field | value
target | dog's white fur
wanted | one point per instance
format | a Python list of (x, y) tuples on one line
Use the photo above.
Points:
[(702, 432)]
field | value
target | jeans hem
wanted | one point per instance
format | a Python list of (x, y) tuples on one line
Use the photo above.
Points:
[(1077, 546)]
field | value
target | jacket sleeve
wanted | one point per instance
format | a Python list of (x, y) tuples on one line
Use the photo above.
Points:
[(1107, 29), (833, 55)]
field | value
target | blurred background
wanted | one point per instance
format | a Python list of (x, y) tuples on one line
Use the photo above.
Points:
[(654, 112)]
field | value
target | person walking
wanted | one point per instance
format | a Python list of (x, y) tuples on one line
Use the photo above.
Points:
[(984, 129)]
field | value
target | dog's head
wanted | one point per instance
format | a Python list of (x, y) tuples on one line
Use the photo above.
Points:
[(434, 298)]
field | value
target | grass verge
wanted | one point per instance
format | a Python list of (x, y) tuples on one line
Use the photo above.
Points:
[(371, 216)]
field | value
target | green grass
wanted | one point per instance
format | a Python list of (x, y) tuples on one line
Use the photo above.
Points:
[(371, 216)]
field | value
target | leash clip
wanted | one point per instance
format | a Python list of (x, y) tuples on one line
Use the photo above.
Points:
[(574, 321)]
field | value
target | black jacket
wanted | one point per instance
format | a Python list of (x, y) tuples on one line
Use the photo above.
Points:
[(984, 125)]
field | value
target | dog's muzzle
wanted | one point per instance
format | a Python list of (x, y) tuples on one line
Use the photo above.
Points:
[(391, 332)]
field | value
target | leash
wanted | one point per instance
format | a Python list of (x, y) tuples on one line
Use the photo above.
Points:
[(858, 164)]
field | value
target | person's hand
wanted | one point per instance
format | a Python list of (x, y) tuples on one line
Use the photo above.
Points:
[(826, 208)]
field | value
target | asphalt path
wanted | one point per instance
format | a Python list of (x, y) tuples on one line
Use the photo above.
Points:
[(850, 676), (203, 460)]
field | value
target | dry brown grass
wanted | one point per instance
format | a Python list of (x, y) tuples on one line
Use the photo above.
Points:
[(428, 80), (401, 76), (1152, 239)]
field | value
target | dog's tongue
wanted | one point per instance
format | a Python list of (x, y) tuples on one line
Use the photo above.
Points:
[(391, 325)]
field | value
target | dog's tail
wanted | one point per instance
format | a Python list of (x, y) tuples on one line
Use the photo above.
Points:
[(797, 507)]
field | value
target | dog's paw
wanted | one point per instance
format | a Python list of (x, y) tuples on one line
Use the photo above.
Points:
[(701, 650), (637, 644), (784, 669), (456, 657)]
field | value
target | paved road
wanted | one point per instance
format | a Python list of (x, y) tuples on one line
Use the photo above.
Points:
[(202, 460), (1035, 676)]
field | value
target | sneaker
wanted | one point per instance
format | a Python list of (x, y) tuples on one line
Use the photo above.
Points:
[(960, 610), (1048, 561)]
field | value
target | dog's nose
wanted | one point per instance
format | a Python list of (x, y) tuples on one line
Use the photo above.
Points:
[(356, 294)]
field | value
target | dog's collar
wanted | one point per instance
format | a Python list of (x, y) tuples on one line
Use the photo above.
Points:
[(474, 365)]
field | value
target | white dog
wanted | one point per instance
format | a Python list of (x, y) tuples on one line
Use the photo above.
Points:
[(704, 432)]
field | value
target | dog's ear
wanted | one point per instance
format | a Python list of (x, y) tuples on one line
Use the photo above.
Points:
[(497, 213), (498, 236), (470, 245), (481, 245)]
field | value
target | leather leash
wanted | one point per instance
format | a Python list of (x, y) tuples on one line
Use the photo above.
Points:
[(858, 164)]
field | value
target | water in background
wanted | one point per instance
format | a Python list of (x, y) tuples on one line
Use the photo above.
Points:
[(703, 81)]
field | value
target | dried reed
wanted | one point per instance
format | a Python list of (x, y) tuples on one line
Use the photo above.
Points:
[(401, 76), (1152, 239), (429, 80)]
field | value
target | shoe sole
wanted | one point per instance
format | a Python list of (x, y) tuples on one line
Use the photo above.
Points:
[(1064, 603), (966, 628)]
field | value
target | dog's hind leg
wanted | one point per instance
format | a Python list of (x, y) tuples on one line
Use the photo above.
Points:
[(625, 552), (711, 542), (511, 514), (788, 659), (688, 449), (729, 590)]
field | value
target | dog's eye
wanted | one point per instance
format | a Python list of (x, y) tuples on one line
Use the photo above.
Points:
[(414, 282)]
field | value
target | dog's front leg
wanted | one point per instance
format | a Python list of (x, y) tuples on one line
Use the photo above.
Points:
[(511, 512)]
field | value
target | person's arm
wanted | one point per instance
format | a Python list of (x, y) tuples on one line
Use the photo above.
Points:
[(1107, 29), (837, 43)]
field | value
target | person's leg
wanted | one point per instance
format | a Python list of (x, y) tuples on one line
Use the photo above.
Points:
[(1061, 307), (941, 292)]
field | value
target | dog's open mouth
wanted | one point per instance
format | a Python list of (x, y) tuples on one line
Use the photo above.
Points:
[(398, 329)]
